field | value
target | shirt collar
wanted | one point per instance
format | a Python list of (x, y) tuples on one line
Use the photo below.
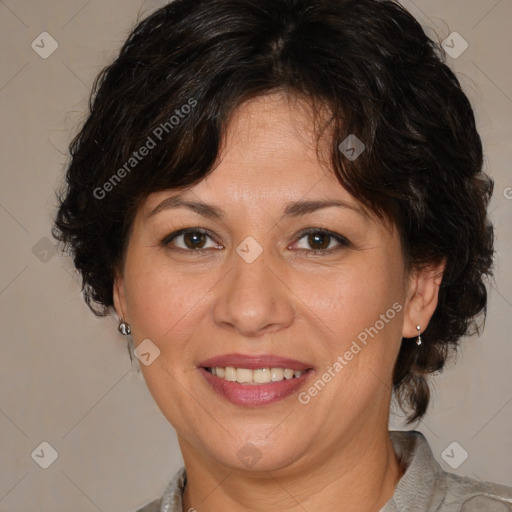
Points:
[(422, 486)]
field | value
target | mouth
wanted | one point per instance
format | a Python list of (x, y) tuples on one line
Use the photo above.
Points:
[(254, 380), (254, 377)]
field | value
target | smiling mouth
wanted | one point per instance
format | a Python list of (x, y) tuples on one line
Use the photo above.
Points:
[(256, 376)]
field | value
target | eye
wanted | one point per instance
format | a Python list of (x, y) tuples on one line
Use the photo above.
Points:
[(320, 240), (193, 238)]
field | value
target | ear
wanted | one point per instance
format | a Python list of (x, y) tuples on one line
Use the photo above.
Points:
[(422, 298), (119, 296)]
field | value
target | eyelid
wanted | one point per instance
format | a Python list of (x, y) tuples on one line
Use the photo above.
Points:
[(175, 234), (342, 241)]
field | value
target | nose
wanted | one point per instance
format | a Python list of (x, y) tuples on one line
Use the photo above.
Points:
[(253, 298)]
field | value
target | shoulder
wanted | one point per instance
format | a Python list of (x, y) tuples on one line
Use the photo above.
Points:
[(426, 487), (468, 495)]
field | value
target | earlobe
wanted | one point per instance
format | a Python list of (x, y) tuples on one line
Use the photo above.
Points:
[(422, 298)]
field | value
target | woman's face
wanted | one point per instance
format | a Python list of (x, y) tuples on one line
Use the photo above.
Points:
[(254, 291)]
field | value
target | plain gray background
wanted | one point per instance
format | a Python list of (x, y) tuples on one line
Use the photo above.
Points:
[(65, 375)]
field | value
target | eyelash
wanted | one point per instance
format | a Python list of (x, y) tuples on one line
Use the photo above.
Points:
[(166, 242)]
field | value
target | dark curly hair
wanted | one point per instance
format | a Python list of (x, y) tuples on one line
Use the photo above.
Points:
[(185, 69)]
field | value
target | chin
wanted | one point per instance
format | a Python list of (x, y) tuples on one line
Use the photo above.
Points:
[(256, 453)]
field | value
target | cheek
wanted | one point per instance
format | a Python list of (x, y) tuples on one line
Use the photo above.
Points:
[(351, 301), (161, 300), (363, 339)]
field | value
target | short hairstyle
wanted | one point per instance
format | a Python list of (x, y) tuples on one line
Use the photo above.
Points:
[(185, 69)]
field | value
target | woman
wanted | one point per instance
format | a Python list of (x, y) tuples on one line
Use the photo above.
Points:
[(284, 202)]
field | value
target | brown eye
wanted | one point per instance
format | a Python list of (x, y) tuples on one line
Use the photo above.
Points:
[(192, 240), (319, 241)]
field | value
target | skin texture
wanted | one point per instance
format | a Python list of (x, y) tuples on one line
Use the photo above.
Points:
[(335, 451)]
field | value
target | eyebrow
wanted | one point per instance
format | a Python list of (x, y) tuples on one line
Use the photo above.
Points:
[(291, 209)]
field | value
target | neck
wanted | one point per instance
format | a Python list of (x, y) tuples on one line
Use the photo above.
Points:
[(361, 476)]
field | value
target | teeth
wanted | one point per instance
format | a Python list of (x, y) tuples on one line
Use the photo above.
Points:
[(277, 374), (230, 374), (288, 374), (243, 375), (262, 376), (258, 376)]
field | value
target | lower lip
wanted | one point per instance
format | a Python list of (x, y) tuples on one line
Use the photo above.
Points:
[(253, 395)]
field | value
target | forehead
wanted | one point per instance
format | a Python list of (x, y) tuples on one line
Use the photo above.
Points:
[(270, 152), (273, 128)]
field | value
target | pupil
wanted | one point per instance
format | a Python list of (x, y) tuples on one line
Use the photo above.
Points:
[(314, 240), (194, 237)]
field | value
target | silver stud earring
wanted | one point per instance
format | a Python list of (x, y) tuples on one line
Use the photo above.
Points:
[(418, 339), (124, 328)]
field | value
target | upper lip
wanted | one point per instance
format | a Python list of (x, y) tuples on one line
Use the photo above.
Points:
[(253, 362)]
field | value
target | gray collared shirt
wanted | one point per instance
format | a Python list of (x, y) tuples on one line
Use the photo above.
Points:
[(424, 487)]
